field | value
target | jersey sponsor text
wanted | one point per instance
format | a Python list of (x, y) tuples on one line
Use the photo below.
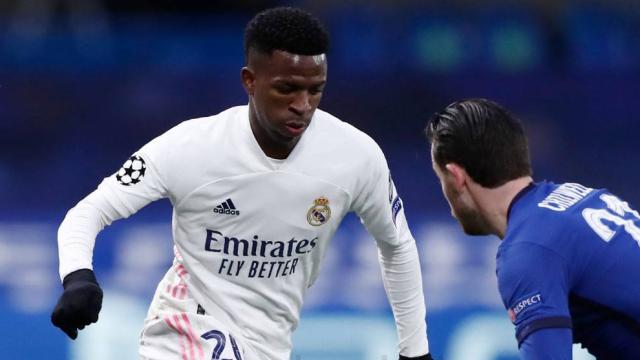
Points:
[(278, 266)]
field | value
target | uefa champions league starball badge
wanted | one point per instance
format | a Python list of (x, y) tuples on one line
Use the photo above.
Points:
[(320, 212), (132, 171)]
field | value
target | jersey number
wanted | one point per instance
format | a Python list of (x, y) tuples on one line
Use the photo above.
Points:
[(221, 341), (614, 213)]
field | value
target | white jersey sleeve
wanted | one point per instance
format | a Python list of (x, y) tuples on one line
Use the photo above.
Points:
[(381, 211), (137, 183)]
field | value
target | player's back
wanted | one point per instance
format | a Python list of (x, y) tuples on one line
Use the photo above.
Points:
[(591, 242)]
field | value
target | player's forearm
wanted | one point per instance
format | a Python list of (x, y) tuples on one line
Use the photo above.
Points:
[(76, 238), (78, 231), (403, 283), (552, 343)]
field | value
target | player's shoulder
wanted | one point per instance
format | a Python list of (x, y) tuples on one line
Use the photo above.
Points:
[(190, 136), (345, 136), (527, 262), (560, 207), (203, 126), (564, 198), (550, 216), (548, 205)]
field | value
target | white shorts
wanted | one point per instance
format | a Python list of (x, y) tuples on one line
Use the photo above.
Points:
[(178, 328), (189, 336)]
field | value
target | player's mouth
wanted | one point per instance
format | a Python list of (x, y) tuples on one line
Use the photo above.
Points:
[(295, 128)]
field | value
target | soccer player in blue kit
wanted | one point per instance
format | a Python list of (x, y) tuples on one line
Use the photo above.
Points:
[(568, 265)]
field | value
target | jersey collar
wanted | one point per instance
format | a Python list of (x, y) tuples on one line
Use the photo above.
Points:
[(520, 194)]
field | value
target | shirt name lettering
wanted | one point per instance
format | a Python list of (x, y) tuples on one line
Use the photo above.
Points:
[(564, 197)]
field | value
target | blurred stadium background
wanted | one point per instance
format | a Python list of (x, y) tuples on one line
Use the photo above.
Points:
[(85, 83)]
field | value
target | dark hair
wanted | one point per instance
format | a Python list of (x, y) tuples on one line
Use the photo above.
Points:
[(284, 28), (482, 137)]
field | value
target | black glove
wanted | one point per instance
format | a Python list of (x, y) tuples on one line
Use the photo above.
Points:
[(79, 304), (423, 357)]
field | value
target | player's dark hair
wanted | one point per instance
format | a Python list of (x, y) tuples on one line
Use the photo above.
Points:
[(482, 137), (288, 29)]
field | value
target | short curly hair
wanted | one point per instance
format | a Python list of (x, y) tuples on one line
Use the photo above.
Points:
[(288, 29)]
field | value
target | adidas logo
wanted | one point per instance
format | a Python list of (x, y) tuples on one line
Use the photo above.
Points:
[(227, 208)]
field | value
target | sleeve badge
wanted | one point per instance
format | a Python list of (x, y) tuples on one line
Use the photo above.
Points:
[(132, 171)]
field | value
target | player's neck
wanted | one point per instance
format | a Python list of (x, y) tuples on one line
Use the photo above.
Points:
[(495, 203), (271, 147), (275, 150)]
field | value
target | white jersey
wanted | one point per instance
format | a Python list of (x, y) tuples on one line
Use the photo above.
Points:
[(250, 232)]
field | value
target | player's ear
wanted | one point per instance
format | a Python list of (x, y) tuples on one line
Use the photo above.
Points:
[(248, 78), (457, 174)]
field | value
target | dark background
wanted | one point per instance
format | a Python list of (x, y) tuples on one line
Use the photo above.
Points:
[(83, 84)]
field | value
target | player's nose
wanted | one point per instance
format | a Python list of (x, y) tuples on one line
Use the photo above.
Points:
[(301, 103)]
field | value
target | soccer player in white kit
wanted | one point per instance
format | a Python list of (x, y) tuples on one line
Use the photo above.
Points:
[(258, 192)]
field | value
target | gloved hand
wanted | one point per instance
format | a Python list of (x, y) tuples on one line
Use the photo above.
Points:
[(79, 304), (423, 357)]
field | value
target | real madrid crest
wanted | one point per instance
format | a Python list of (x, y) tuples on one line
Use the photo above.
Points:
[(320, 212)]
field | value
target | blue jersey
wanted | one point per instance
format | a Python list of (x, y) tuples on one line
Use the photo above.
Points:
[(570, 259)]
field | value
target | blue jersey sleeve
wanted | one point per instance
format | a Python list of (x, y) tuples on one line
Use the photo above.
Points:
[(533, 284)]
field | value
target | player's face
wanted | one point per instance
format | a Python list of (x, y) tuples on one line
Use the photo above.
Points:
[(285, 90), (462, 205)]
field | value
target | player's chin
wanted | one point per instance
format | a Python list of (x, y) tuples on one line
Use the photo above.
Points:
[(473, 231), (472, 225)]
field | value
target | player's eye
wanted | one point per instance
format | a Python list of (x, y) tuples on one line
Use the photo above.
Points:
[(284, 88), (316, 90)]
